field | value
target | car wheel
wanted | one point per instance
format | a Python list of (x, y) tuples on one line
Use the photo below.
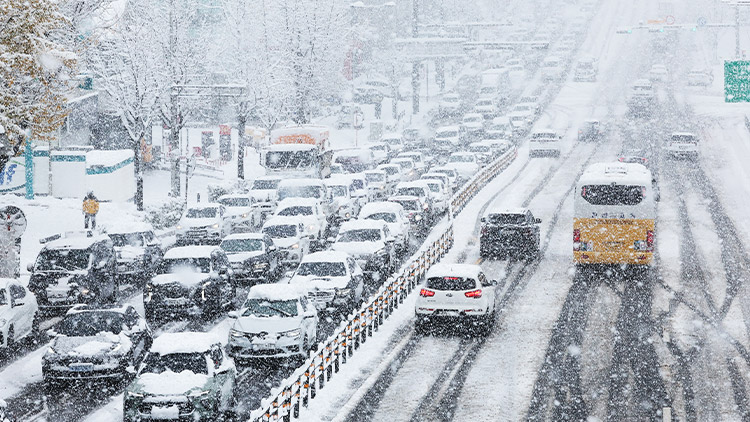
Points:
[(420, 326)]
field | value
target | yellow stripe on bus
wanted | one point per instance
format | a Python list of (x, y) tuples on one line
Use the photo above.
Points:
[(613, 240)]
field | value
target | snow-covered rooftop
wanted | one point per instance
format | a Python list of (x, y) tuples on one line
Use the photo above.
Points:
[(454, 270)]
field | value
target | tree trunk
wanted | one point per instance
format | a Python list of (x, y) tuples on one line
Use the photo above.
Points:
[(138, 169), (241, 145)]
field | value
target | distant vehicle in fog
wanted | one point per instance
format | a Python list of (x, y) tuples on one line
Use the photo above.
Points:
[(700, 77), (682, 144), (544, 142)]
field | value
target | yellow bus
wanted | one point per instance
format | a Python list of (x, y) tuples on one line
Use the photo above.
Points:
[(614, 215)]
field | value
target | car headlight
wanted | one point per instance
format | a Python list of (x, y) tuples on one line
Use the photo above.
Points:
[(343, 292), (201, 393), (236, 333), (293, 333), (295, 246), (216, 225), (84, 291), (179, 227), (51, 351), (116, 348), (417, 217), (135, 395)]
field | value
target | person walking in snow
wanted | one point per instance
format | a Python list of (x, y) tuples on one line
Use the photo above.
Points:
[(90, 208)]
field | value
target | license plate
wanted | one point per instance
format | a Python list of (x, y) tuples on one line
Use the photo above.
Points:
[(82, 367), (175, 302), (263, 346), (449, 313)]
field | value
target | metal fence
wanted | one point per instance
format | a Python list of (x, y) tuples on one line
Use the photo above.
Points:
[(303, 385)]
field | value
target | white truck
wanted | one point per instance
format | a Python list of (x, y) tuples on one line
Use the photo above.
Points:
[(298, 152)]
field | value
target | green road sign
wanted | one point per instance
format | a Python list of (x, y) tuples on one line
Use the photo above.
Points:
[(737, 81)]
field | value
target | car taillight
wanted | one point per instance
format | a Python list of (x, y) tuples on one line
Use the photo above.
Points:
[(426, 293), (649, 241), (576, 240), (476, 294)]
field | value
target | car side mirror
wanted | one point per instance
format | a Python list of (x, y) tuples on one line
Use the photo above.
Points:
[(233, 314), (537, 220), (30, 267), (493, 282)]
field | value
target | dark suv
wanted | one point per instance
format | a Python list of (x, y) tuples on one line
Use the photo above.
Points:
[(74, 269), (512, 232), (190, 280), (138, 252)]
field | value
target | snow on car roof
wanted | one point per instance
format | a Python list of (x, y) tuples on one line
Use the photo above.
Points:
[(76, 240), (374, 172), (268, 178), (129, 227), (291, 147), (454, 270), (447, 129), (202, 206), (326, 256), (683, 134), (297, 202), (338, 180), (282, 220), (391, 136), (300, 182), (613, 172), (413, 184), (506, 210), (274, 292), (361, 224), (5, 281), (245, 236), (403, 198), (185, 342), (380, 206), (193, 251), (234, 195), (76, 309), (500, 120)]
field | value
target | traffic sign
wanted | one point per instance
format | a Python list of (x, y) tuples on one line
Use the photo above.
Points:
[(702, 21), (12, 221), (737, 81), (669, 20)]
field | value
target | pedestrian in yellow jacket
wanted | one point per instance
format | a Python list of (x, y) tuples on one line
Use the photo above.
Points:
[(90, 208)]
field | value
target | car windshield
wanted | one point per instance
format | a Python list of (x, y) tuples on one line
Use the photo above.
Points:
[(446, 172), (411, 191), (375, 177), (201, 212), (392, 141), (388, 217), (62, 260), (613, 194), (472, 119), (265, 184), (451, 283), (405, 164), (281, 231), (484, 103), (176, 362), (434, 187), (290, 159), (390, 170), (236, 201), (300, 192), (479, 148), (265, 308), (379, 148), (507, 219), (88, 324), (360, 235), (296, 210), (127, 239), (338, 191), (322, 269), (684, 139), (461, 159), (174, 265), (409, 205), (241, 245), (358, 184)]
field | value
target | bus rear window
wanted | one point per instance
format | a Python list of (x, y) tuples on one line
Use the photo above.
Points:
[(613, 194)]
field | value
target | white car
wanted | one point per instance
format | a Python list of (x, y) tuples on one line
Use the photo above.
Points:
[(333, 281), (290, 237), (465, 164), (346, 207), (499, 128), (370, 243), (553, 68), (700, 77), (394, 216), (451, 173), (544, 142), (449, 104), (394, 141), (456, 292), (307, 188), (263, 196), (309, 213), (520, 123), (642, 93), (377, 185), (381, 151), (392, 172), (447, 138), (472, 125), (486, 107), (658, 72), (239, 209), (18, 313), (447, 181), (682, 144), (419, 161), (586, 70), (275, 321), (408, 169), (440, 195), (483, 151), (421, 190), (530, 110), (202, 223)]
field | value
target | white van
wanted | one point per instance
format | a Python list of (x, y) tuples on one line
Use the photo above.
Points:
[(552, 68), (682, 144), (544, 142)]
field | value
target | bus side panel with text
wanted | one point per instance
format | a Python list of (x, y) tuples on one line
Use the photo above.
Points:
[(614, 215)]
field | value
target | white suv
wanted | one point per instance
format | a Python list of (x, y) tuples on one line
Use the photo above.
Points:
[(456, 292), (202, 223), (18, 313), (544, 142)]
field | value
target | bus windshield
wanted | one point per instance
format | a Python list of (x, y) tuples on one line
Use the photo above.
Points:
[(613, 194)]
